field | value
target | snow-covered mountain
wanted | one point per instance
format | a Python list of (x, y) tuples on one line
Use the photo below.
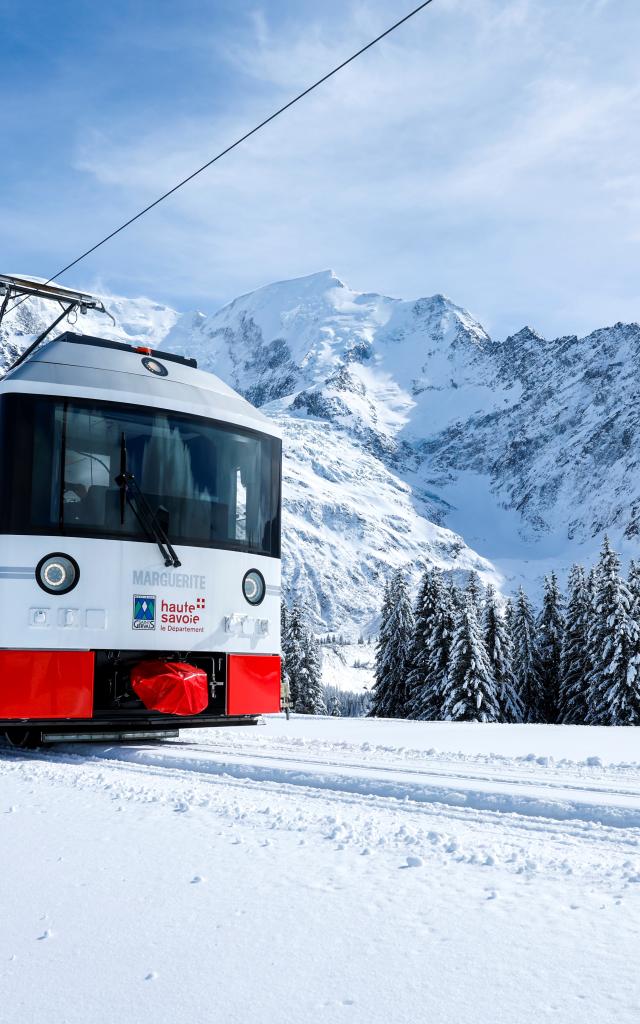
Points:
[(411, 436), (135, 319)]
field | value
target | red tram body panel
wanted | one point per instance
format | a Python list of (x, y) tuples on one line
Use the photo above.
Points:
[(253, 684), (46, 684)]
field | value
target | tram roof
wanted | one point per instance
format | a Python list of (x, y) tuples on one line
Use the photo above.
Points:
[(77, 365)]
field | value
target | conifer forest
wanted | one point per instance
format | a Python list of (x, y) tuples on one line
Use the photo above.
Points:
[(464, 653)]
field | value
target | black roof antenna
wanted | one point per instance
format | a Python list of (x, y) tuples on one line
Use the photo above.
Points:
[(21, 288)]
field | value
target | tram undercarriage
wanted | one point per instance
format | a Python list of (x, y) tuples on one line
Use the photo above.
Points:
[(102, 687)]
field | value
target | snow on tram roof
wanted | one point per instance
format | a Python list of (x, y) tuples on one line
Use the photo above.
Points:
[(88, 367)]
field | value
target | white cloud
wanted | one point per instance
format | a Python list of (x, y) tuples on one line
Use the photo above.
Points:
[(484, 150)]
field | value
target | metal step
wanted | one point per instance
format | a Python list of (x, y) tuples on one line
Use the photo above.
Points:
[(86, 737)]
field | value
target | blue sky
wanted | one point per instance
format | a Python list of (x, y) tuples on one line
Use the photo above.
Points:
[(488, 150)]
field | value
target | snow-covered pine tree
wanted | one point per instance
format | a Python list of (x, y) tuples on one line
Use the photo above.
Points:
[(575, 663), (599, 595), (623, 693), (470, 693), (550, 627), (525, 662), (614, 694), (592, 582), (634, 615), (418, 679), (604, 580), (633, 581), (474, 590), (499, 645), (303, 664), (393, 651), (455, 596), (379, 688), (439, 652), (334, 706)]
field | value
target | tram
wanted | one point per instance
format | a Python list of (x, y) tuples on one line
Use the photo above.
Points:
[(139, 546)]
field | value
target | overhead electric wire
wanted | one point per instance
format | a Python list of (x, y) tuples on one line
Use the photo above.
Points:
[(238, 142)]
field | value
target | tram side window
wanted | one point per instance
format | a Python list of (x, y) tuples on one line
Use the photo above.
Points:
[(30, 469), (45, 477)]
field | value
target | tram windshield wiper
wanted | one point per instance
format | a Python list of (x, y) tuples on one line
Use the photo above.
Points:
[(155, 524)]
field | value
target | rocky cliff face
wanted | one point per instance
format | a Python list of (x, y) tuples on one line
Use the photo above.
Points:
[(413, 437)]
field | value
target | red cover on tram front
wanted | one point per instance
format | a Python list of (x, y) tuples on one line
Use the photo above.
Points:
[(173, 687)]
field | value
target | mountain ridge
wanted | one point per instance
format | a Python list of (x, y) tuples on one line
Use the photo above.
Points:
[(411, 436)]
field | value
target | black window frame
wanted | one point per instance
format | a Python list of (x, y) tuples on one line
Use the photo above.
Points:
[(24, 467)]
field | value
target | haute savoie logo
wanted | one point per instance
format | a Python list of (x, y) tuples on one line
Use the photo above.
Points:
[(182, 616), (144, 611)]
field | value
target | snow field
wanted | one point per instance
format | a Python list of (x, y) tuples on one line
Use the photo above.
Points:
[(324, 870), (612, 745), (348, 666)]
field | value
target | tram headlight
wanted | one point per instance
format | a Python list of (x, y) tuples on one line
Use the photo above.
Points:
[(254, 587), (57, 573)]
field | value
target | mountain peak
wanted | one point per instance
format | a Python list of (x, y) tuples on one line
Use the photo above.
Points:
[(328, 276), (525, 334), (320, 279)]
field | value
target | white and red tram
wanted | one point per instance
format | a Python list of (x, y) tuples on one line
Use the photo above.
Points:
[(139, 546)]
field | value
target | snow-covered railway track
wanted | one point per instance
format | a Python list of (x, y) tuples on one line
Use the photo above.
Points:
[(617, 807), (601, 815), (557, 779)]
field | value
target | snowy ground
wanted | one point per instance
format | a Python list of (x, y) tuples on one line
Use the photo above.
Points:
[(324, 870)]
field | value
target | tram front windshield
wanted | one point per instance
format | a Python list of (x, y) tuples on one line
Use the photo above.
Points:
[(218, 483)]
